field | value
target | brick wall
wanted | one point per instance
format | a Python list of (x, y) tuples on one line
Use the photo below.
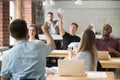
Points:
[(4, 22), (27, 11), (27, 14)]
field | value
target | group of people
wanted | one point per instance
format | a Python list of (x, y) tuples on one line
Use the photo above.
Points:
[(27, 59)]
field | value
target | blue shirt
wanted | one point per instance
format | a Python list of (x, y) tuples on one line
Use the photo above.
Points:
[(26, 60), (87, 57)]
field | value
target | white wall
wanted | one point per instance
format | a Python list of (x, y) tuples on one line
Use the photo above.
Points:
[(12, 15), (97, 12)]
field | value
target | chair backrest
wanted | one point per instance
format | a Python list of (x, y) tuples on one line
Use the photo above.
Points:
[(103, 55)]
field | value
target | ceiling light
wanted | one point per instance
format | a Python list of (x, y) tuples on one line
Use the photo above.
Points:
[(79, 2), (48, 2), (52, 2)]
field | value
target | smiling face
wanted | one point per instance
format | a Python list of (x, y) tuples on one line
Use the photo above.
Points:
[(50, 17), (73, 28), (107, 30), (32, 31)]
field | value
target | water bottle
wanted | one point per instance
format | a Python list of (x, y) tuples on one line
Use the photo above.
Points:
[(70, 53)]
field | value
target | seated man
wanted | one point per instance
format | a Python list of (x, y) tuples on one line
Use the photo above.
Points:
[(107, 43), (68, 37)]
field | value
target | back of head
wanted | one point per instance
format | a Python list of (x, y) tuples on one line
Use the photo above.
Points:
[(88, 40), (18, 29), (87, 43)]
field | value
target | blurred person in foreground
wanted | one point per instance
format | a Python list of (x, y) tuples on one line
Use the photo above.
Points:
[(26, 60)]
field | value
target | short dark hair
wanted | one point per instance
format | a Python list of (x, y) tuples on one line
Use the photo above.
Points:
[(108, 26), (75, 24), (50, 13), (18, 28)]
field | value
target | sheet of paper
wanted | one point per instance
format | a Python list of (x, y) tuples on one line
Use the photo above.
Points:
[(97, 74), (59, 51), (51, 70), (116, 60)]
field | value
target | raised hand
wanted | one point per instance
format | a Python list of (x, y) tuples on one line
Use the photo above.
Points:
[(45, 27), (60, 16)]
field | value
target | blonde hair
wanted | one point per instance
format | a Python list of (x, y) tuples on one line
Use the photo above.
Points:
[(87, 43)]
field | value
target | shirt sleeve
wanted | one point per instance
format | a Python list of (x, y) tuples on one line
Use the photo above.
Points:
[(5, 67), (118, 45), (80, 56), (48, 49), (44, 48)]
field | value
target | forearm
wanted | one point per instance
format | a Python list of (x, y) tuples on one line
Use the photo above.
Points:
[(117, 53), (61, 29), (3, 78), (49, 40)]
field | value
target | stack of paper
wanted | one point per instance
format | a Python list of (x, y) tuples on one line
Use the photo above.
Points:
[(97, 74)]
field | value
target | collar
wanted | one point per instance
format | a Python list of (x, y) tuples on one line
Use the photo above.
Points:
[(106, 38), (21, 41)]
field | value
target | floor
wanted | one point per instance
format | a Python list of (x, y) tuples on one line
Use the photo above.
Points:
[(117, 75)]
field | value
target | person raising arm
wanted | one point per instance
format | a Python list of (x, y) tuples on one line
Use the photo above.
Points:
[(49, 38), (68, 37), (26, 60)]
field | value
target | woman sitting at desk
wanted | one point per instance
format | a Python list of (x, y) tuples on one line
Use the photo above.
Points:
[(87, 50), (33, 33)]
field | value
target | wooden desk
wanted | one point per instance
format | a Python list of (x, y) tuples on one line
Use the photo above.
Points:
[(55, 37), (59, 53), (110, 76), (111, 63)]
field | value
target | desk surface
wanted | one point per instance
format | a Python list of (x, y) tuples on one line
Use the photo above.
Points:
[(59, 53), (55, 37), (111, 63), (110, 76), (58, 37)]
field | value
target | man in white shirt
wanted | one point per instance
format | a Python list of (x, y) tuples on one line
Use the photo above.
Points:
[(53, 25)]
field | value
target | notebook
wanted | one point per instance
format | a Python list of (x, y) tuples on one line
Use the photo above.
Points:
[(103, 55), (71, 68)]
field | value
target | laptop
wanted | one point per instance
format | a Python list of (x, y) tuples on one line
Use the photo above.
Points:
[(103, 55), (71, 68)]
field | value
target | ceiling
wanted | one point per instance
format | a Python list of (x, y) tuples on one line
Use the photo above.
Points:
[(87, 0), (73, 0)]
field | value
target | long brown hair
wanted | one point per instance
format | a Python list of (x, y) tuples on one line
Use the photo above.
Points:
[(87, 43)]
